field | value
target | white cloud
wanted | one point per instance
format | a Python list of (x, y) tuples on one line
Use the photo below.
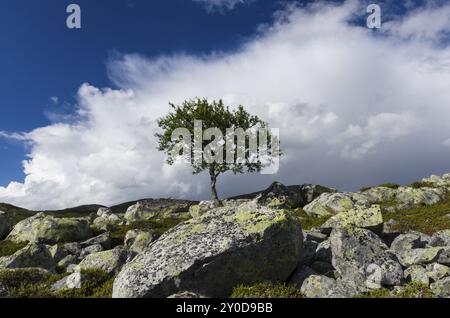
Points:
[(353, 109)]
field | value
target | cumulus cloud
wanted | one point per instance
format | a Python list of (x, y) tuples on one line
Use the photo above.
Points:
[(354, 108)]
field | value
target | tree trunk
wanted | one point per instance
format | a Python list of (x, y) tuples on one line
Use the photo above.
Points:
[(214, 195)]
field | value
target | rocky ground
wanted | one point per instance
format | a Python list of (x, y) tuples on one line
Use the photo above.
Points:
[(287, 241)]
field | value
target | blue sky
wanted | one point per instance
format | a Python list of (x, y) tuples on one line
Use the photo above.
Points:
[(353, 105), (41, 58)]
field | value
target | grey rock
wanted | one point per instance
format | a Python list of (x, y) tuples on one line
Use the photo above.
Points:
[(359, 255), (103, 239), (33, 255), (316, 286), (104, 212), (417, 274), (308, 252), (90, 250), (437, 271), (73, 248), (213, 253), (73, 281), (419, 256), (110, 261), (441, 288), (314, 236), (323, 252), (139, 240), (50, 230), (299, 276), (186, 295), (323, 268), (68, 260), (410, 241), (441, 238), (158, 209), (329, 204), (444, 256), (58, 252)]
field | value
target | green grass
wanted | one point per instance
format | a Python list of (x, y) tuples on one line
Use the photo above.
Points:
[(33, 283), (266, 290), (377, 293), (428, 219), (158, 227), (8, 248), (18, 214), (411, 290), (309, 222), (421, 184)]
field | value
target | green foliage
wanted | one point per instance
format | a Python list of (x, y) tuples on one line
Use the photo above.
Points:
[(158, 227), (8, 248), (428, 219), (421, 184), (415, 290), (377, 293), (29, 283), (310, 222), (97, 284), (266, 290)]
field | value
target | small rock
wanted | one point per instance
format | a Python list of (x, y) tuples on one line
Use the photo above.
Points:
[(73, 281), (103, 239), (138, 240), (444, 256), (437, 271), (441, 238), (90, 250), (104, 212), (109, 261), (68, 260), (73, 248), (441, 288), (417, 274), (299, 276), (316, 286)]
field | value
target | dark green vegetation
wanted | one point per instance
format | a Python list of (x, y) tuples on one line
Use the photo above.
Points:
[(428, 219), (34, 283), (309, 222), (421, 184), (157, 227), (266, 290), (384, 185), (212, 115), (8, 248), (412, 290), (18, 214)]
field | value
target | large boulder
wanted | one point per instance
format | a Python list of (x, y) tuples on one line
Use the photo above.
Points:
[(441, 238), (363, 259), (212, 254), (103, 239), (73, 281), (330, 204), (50, 230), (31, 256), (408, 197), (360, 216), (138, 240), (158, 209), (107, 222), (441, 288), (376, 195), (108, 261)]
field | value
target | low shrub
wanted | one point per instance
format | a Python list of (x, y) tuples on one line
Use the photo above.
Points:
[(266, 290), (309, 222)]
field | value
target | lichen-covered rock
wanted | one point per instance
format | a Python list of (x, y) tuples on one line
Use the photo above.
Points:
[(316, 286), (441, 288), (201, 208), (362, 258), (444, 256), (409, 241), (73, 281), (73, 248), (58, 252), (376, 195), (437, 271), (314, 236), (68, 260), (158, 209), (213, 253), (107, 222), (280, 196), (138, 240), (6, 224), (31, 256), (359, 216), (408, 197), (108, 261), (329, 204), (323, 252), (419, 256), (104, 212), (441, 238), (103, 239), (92, 249), (417, 274), (50, 230)]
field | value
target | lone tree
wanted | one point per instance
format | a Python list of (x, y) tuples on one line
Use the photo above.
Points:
[(215, 115)]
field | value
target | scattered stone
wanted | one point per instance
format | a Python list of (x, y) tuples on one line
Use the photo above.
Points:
[(441, 288), (437, 271), (73, 281), (329, 204), (213, 253), (103, 239), (314, 236), (417, 274), (73, 248), (360, 216), (50, 230), (90, 250), (108, 261), (353, 250), (138, 240), (33, 255), (158, 209)]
